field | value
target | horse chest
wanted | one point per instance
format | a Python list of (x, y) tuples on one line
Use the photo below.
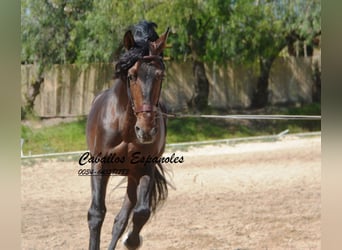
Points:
[(129, 149)]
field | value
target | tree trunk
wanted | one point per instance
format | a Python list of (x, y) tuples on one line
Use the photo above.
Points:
[(33, 92), (199, 100), (316, 87), (260, 97)]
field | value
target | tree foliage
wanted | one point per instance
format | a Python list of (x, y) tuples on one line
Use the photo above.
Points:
[(62, 31), (48, 30), (261, 29)]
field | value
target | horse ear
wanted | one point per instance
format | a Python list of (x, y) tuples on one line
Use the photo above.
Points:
[(157, 47), (128, 40)]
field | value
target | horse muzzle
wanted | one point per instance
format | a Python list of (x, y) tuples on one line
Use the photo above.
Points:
[(145, 137), (145, 127)]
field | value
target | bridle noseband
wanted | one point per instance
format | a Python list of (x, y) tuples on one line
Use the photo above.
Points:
[(145, 107)]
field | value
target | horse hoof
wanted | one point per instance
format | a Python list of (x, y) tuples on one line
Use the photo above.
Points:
[(124, 242)]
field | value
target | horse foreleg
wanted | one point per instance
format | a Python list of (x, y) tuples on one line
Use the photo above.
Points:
[(141, 212), (121, 220), (97, 210)]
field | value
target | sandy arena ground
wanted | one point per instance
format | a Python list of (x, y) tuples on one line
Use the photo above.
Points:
[(248, 196)]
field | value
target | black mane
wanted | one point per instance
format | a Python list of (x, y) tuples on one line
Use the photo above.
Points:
[(143, 33)]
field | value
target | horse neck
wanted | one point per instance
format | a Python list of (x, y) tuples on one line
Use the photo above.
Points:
[(127, 119), (119, 90)]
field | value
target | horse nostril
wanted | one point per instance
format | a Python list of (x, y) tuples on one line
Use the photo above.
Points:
[(137, 129)]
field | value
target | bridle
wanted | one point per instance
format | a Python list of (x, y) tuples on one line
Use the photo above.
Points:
[(145, 107)]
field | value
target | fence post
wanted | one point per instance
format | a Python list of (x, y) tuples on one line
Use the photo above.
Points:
[(21, 146)]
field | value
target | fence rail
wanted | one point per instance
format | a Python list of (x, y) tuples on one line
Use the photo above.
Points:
[(250, 117), (189, 144)]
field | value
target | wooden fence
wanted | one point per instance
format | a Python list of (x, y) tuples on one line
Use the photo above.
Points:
[(69, 90)]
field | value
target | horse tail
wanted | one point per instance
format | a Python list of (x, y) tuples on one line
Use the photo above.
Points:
[(160, 187)]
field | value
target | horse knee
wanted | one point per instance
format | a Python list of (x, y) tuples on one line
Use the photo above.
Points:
[(95, 217)]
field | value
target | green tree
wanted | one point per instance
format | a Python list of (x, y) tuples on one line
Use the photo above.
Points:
[(197, 27), (261, 29), (251, 31), (102, 31), (77, 31), (47, 36)]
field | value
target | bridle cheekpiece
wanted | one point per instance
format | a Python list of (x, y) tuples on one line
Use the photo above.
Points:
[(144, 107)]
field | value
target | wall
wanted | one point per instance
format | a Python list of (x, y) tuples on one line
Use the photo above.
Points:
[(69, 90)]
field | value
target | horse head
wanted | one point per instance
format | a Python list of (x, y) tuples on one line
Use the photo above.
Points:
[(144, 82)]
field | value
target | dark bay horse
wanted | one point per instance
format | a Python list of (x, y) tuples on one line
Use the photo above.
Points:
[(125, 124)]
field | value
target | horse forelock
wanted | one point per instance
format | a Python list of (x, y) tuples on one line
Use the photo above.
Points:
[(144, 33), (129, 58)]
